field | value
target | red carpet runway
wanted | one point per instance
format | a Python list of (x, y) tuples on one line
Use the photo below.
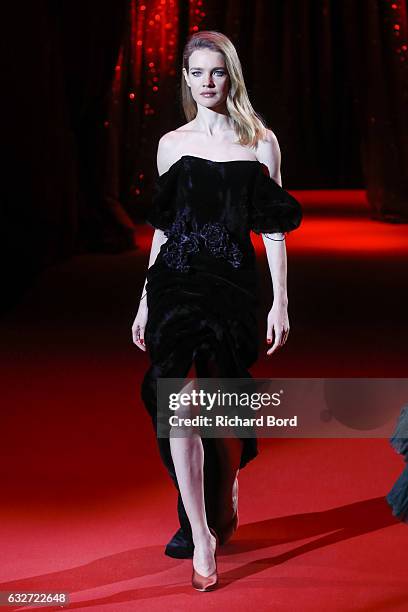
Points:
[(86, 505)]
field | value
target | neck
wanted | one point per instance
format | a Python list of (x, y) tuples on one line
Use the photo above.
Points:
[(212, 120)]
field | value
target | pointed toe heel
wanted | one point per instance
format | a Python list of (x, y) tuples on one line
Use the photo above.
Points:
[(206, 583)]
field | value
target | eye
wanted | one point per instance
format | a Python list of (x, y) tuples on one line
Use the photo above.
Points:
[(217, 72)]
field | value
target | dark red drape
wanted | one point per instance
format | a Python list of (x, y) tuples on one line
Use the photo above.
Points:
[(88, 90)]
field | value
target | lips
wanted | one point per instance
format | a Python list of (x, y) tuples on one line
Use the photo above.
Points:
[(208, 94)]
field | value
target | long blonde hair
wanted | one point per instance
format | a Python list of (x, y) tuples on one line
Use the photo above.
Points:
[(248, 125)]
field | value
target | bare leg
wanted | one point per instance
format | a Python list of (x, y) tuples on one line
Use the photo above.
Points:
[(188, 458), (229, 451)]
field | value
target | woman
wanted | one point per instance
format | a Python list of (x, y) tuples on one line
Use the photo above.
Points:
[(219, 178)]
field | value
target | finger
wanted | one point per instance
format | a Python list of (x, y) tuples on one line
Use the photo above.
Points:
[(285, 336), (138, 337), (140, 345), (276, 344), (273, 349)]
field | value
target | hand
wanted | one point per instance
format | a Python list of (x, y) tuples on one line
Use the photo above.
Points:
[(277, 324), (138, 327)]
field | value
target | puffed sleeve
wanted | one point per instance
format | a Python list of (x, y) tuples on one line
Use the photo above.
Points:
[(273, 209), (162, 211)]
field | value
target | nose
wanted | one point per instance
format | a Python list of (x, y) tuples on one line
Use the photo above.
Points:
[(209, 82)]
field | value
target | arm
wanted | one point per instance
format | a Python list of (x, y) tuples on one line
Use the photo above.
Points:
[(159, 238), (277, 322), (139, 323), (165, 150)]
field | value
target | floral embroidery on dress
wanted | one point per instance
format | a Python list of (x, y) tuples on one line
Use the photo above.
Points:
[(182, 242)]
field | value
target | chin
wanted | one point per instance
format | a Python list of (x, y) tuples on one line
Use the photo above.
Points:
[(208, 101)]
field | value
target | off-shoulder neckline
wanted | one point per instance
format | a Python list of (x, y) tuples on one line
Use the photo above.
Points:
[(213, 161)]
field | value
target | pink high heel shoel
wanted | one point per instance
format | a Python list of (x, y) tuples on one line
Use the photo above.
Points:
[(206, 583)]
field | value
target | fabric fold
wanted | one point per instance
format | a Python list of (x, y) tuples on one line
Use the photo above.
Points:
[(161, 213), (273, 208)]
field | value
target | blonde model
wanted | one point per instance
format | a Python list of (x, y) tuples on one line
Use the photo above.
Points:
[(219, 178)]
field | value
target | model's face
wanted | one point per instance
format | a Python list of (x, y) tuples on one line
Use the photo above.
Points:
[(207, 74)]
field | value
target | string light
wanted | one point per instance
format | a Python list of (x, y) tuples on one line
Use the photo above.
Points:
[(146, 66), (154, 42), (398, 18), (196, 15)]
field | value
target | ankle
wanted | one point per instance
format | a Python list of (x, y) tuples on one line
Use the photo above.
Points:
[(202, 537)]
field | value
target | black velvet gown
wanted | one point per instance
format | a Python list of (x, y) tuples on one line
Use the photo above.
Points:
[(202, 293)]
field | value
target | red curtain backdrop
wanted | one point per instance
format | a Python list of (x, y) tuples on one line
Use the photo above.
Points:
[(89, 89)]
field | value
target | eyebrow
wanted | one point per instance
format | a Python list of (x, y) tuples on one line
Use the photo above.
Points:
[(216, 68)]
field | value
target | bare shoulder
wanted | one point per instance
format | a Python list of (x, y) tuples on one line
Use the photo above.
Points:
[(169, 148), (165, 151), (268, 153)]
